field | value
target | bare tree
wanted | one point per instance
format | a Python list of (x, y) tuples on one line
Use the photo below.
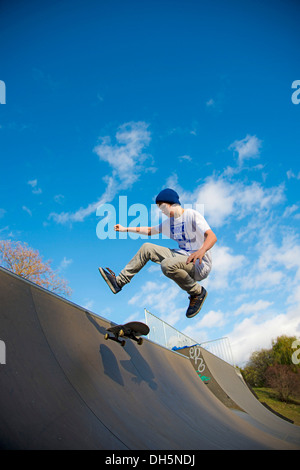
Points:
[(26, 262), (281, 378)]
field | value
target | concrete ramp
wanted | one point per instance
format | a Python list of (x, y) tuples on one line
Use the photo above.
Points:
[(228, 385), (194, 353), (64, 387), (233, 384)]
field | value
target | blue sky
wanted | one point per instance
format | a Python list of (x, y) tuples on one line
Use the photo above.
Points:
[(107, 99)]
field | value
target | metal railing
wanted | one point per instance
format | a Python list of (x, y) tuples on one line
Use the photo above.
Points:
[(221, 348), (166, 335)]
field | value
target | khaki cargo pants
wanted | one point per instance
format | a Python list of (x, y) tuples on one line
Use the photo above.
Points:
[(173, 265)]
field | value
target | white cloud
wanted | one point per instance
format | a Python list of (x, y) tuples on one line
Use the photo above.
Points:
[(224, 199), (215, 104), (290, 174), (263, 279), (161, 298), (288, 254), (211, 319), (274, 262), (83, 212), (26, 209), (283, 254), (59, 198), (218, 198), (224, 264), (290, 210), (255, 198), (135, 316), (294, 298), (154, 268), (247, 148), (253, 307), (199, 329), (210, 103), (276, 269), (65, 263), (185, 157), (34, 186), (257, 332), (126, 160)]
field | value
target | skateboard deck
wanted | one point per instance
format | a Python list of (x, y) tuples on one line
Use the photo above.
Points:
[(132, 330)]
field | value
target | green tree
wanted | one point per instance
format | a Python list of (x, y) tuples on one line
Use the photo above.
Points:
[(282, 350), (255, 370), (274, 367)]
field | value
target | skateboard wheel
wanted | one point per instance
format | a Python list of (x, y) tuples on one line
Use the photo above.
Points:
[(106, 336), (121, 333), (140, 341), (123, 343)]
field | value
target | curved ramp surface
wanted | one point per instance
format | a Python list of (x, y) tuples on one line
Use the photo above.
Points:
[(233, 384), (64, 387), (204, 373)]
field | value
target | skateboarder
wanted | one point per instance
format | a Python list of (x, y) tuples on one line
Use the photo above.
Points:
[(190, 263)]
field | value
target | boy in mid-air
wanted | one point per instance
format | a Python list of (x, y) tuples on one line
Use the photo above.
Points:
[(189, 263)]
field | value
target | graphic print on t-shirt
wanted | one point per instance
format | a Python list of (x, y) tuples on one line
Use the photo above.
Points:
[(178, 232)]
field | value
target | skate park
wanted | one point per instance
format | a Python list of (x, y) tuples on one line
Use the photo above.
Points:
[(64, 387)]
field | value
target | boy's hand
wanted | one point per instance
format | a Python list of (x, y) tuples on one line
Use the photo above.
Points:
[(120, 228), (194, 256)]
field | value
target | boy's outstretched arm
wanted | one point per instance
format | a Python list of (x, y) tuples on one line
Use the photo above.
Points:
[(142, 230)]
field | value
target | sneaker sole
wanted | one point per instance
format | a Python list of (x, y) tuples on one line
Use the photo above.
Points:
[(196, 313), (102, 272)]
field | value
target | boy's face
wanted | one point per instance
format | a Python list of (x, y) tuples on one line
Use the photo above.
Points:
[(166, 209)]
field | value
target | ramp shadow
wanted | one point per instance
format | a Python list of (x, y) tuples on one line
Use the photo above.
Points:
[(110, 364), (138, 366), (100, 328), (109, 361)]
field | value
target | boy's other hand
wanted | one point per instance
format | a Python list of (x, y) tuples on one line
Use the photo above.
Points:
[(120, 228)]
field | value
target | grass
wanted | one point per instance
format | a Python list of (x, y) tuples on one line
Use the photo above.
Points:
[(270, 397)]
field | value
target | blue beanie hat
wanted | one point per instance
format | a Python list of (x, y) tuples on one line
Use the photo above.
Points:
[(167, 195)]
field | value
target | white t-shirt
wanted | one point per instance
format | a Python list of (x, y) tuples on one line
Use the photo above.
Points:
[(188, 231)]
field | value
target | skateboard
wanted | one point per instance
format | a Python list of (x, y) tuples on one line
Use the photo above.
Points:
[(132, 330)]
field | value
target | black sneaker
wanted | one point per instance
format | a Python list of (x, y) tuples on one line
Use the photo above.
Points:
[(110, 278), (196, 302)]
